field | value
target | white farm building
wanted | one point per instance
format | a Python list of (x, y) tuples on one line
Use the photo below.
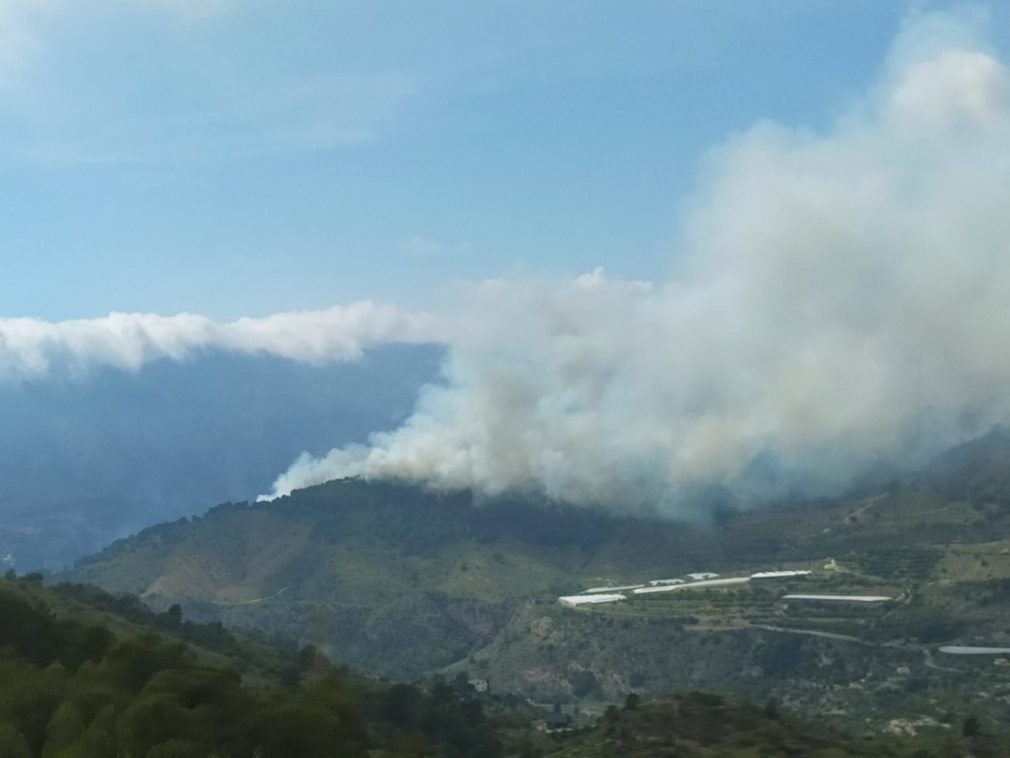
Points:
[(778, 574), (575, 600), (702, 584), (839, 598), (605, 590)]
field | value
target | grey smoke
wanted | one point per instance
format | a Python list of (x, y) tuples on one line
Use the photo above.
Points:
[(841, 298)]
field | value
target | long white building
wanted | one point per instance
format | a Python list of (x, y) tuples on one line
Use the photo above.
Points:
[(574, 600), (840, 598), (603, 590), (693, 585), (778, 574)]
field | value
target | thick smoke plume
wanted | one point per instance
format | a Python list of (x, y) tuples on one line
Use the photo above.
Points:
[(842, 298), (30, 348)]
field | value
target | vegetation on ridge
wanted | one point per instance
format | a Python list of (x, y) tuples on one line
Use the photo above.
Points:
[(71, 687), (87, 675), (396, 581)]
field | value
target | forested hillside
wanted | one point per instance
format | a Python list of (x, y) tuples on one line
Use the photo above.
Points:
[(398, 581), (702, 725), (84, 674)]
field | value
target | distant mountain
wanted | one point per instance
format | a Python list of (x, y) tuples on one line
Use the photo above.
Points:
[(87, 460), (402, 582)]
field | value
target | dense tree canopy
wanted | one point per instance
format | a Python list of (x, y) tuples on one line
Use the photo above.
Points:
[(71, 688)]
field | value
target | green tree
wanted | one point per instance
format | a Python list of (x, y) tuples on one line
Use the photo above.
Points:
[(177, 748), (13, 743), (65, 727), (401, 705), (970, 727)]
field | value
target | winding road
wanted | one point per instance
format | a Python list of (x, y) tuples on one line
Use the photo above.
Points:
[(927, 654)]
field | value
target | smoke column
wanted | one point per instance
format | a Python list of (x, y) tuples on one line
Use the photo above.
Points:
[(841, 298)]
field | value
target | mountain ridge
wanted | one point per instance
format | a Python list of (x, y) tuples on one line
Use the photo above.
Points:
[(88, 459)]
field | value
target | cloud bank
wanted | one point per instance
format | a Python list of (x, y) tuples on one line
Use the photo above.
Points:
[(842, 298), (31, 348)]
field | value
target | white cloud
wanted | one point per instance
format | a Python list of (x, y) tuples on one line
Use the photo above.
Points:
[(31, 348), (844, 301)]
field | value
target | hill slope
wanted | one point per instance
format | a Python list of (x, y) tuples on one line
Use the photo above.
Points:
[(86, 460), (402, 582), (699, 725), (86, 674)]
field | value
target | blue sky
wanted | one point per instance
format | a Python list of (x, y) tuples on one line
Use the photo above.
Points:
[(242, 157)]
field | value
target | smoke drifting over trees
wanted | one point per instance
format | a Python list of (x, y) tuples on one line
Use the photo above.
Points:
[(841, 298)]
